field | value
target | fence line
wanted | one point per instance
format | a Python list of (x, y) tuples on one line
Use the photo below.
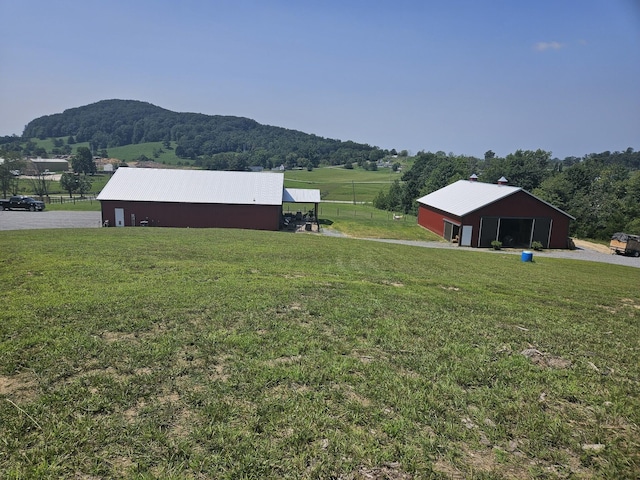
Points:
[(73, 200), (344, 210)]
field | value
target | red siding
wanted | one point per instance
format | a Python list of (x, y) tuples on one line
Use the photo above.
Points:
[(195, 215), (518, 205), (433, 219)]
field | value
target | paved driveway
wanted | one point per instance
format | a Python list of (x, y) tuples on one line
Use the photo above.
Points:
[(24, 220)]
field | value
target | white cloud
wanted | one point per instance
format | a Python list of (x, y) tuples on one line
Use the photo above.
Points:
[(542, 46)]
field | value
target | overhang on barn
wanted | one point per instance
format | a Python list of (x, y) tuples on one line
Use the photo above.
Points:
[(474, 214), (193, 198)]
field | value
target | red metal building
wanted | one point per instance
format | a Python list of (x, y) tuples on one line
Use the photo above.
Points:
[(474, 214), (194, 198)]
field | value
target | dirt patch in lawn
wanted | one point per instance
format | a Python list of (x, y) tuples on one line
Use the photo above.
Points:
[(18, 388), (545, 359)]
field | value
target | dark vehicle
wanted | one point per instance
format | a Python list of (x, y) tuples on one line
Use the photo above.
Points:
[(625, 244), (22, 202)]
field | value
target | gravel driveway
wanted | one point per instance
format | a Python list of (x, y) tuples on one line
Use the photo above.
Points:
[(580, 253), (584, 251)]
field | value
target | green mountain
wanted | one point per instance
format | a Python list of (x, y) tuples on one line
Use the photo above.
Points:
[(115, 123)]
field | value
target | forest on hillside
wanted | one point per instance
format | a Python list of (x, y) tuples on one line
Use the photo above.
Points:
[(211, 140), (601, 190)]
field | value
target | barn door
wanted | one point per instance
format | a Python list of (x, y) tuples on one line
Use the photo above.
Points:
[(119, 217), (541, 231), (467, 232), (448, 231), (488, 231)]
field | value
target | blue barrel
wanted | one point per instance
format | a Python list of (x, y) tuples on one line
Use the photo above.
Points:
[(527, 256)]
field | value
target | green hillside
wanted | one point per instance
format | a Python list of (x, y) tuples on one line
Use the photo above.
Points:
[(248, 354), (117, 123), (153, 151)]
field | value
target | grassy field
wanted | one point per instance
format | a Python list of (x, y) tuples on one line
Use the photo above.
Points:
[(165, 353), (26, 186), (127, 153), (339, 184), (132, 152)]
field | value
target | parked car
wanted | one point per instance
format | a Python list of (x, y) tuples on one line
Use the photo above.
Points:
[(22, 202), (625, 244)]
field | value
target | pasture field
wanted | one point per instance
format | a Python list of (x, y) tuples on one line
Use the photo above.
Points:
[(126, 153), (340, 184), (167, 353), (129, 153)]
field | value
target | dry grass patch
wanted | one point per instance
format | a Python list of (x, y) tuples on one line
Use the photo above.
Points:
[(284, 360), (630, 302), (112, 337), (19, 388), (131, 414), (545, 359), (354, 396), (387, 471)]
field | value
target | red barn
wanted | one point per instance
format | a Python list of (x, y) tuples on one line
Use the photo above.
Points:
[(194, 198), (475, 214)]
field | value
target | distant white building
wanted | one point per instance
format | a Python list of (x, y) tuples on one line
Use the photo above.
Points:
[(39, 165)]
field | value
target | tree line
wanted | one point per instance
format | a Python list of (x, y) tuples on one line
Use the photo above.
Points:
[(601, 190)]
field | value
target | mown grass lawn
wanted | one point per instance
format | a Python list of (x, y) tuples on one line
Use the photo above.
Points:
[(166, 353)]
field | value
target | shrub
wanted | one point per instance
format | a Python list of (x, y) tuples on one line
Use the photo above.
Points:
[(496, 244), (536, 246)]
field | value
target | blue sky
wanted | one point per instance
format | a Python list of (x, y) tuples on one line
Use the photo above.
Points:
[(461, 76)]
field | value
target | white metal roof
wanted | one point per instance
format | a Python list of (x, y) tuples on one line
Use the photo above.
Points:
[(48, 160), (194, 186), (465, 196), (301, 195)]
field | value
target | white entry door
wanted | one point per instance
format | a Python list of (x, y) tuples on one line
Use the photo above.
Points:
[(467, 231), (119, 217)]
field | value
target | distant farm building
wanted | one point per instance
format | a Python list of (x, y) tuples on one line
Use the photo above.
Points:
[(198, 199), (474, 214), (36, 166)]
